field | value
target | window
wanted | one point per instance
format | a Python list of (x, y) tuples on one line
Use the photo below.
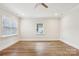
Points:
[(8, 26), (39, 28)]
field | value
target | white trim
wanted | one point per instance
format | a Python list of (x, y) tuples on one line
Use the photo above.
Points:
[(73, 45), (3, 36), (38, 39), (8, 45)]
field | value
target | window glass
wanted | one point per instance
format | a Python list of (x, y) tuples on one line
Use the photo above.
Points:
[(40, 28), (9, 26)]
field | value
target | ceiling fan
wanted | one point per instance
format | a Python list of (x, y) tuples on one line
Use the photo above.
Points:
[(43, 4)]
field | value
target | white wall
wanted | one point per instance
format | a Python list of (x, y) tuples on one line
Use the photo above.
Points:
[(70, 28), (7, 41), (51, 26)]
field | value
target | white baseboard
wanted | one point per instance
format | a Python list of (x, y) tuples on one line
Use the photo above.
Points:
[(38, 39), (73, 45), (8, 45)]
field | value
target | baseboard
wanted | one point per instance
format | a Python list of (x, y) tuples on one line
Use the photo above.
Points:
[(9, 45), (75, 46), (38, 39)]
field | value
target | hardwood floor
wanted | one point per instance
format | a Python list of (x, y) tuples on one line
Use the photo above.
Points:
[(35, 48)]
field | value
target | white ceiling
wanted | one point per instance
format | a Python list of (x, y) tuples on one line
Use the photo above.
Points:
[(29, 10)]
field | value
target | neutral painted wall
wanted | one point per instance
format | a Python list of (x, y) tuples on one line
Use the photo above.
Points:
[(7, 41), (70, 28), (51, 29)]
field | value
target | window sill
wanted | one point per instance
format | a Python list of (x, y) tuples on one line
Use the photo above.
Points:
[(3, 36)]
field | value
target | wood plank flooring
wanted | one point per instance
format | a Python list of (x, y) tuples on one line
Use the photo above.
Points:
[(36, 48)]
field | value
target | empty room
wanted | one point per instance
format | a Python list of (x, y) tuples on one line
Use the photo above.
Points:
[(39, 29)]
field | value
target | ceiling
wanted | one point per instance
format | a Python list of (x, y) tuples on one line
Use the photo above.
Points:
[(28, 9)]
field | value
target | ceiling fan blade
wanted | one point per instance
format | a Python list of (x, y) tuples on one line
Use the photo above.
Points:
[(43, 4)]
